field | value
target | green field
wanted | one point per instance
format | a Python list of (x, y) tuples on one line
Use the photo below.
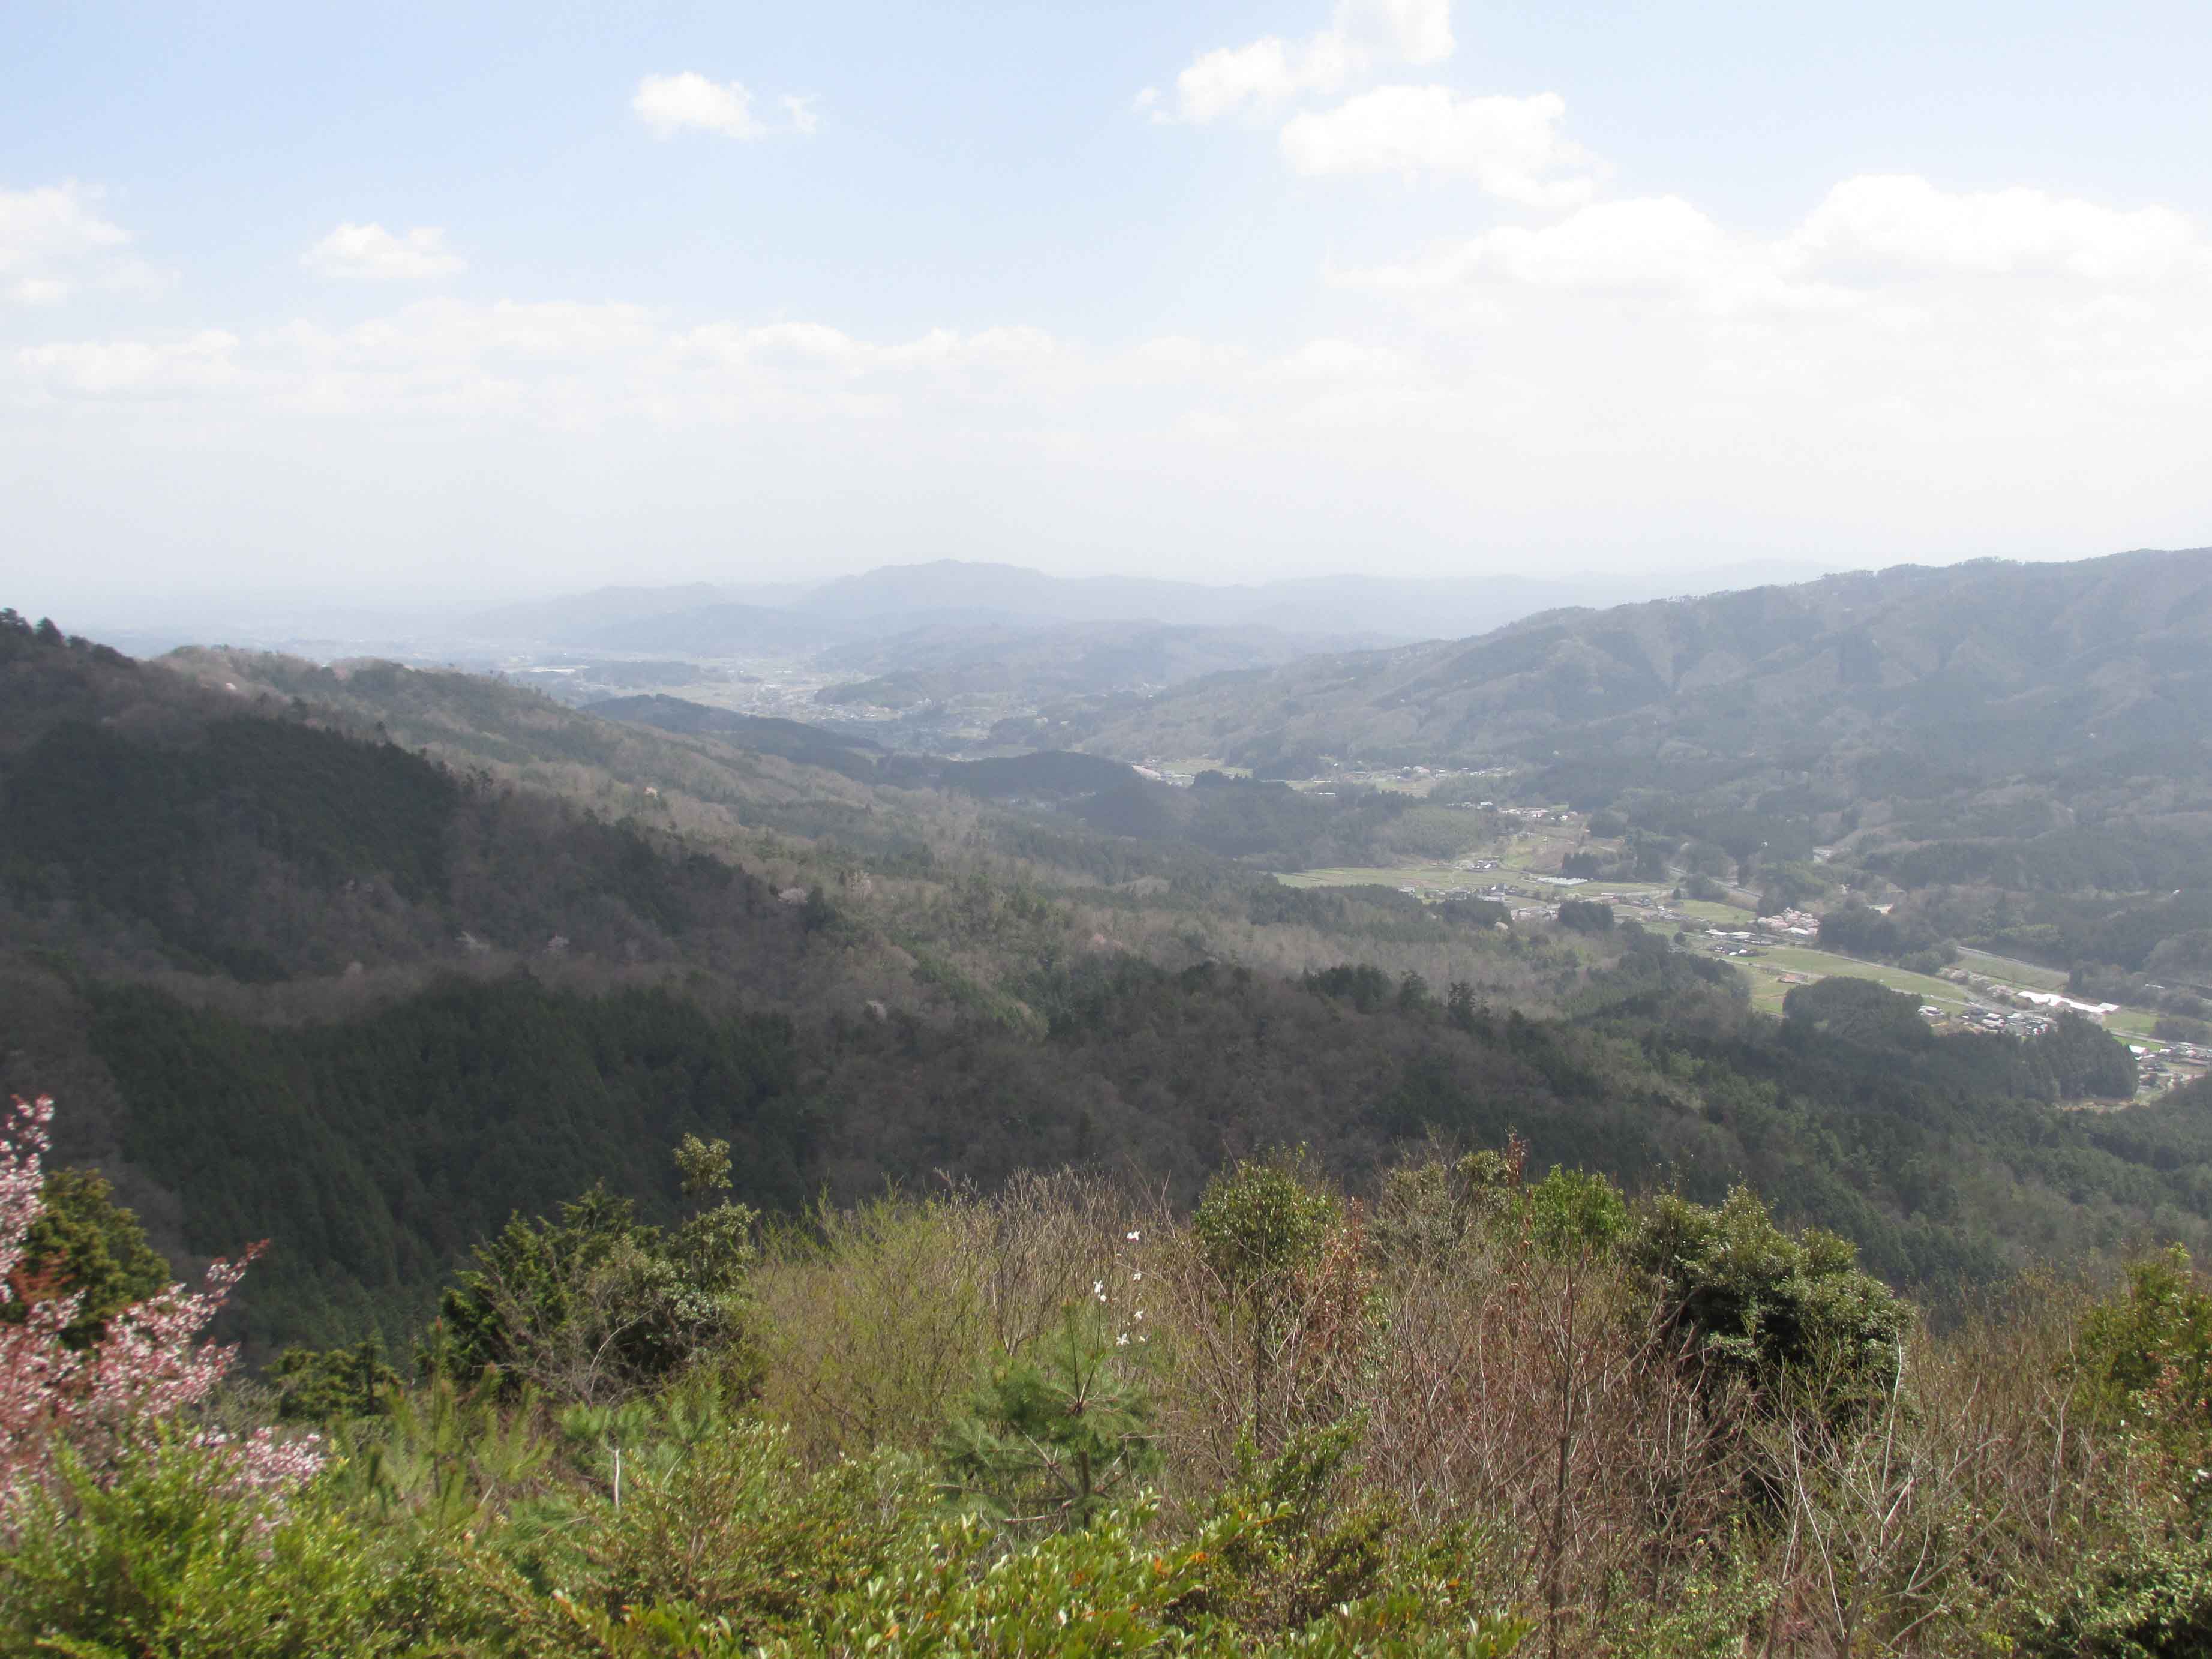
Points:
[(2012, 971), (1713, 914), (1428, 877), (1767, 990), (1763, 971)]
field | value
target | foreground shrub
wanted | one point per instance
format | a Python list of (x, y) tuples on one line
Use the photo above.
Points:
[(1751, 1303), (2146, 1358), (716, 1515), (597, 1304), (873, 1327), (1056, 1436), (169, 1554), (1655, 1428)]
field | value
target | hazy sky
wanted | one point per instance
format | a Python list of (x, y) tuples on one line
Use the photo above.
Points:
[(478, 300)]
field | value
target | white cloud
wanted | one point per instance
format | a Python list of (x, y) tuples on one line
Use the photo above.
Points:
[(1659, 242), (1867, 235), (1898, 224), (669, 103), (1625, 373), (1177, 354), (689, 102), (197, 362), (51, 225), (50, 237), (373, 254), (1270, 71), (1326, 360), (1266, 72), (1511, 147), (564, 365), (133, 276), (1898, 338), (1413, 31)]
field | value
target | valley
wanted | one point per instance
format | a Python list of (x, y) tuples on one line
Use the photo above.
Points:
[(377, 961), (1335, 829), (912, 906)]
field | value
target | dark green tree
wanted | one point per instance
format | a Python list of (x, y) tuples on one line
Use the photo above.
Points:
[(1859, 1012), (84, 1244), (1056, 1435), (326, 1385), (1754, 1302), (2085, 1061), (595, 1304)]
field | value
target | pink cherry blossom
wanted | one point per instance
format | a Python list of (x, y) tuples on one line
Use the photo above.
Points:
[(147, 1365)]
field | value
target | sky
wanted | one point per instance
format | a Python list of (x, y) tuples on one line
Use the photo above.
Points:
[(442, 302)]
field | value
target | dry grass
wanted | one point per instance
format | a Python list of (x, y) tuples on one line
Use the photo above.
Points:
[(1630, 1499)]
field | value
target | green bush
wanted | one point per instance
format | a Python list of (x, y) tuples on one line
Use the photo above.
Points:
[(173, 1559), (2145, 1594), (871, 1325), (1754, 1302), (1571, 1211), (1262, 1227), (334, 1385), (717, 1516), (1056, 1436), (1586, 916), (596, 1304), (2146, 1358)]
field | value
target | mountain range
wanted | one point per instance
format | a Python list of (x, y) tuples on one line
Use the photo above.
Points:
[(363, 957), (895, 599), (2010, 666)]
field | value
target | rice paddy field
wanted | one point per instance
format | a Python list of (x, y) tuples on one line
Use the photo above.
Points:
[(1429, 878), (1770, 973)]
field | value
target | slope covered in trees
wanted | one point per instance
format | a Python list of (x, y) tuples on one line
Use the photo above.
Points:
[(2015, 749), (405, 997), (1977, 669), (1576, 1311), (372, 1148), (793, 740)]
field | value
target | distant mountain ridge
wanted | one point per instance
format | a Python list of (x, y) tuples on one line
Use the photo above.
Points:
[(1410, 608), (895, 598), (2005, 664), (945, 659)]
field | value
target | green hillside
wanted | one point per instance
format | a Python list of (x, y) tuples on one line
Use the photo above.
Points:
[(1065, 1154), (405, 994), (1977, 671)]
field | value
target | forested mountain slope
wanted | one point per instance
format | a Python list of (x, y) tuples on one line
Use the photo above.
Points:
[(153, 822), (373, 1146), (1980, 669), (549, 990), (796, 741), (2019, 753), (475, 722)]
